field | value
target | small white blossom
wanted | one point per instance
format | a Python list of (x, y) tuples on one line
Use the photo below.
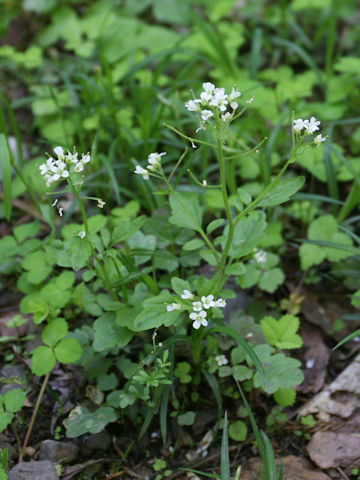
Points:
[(298, 125), (187, 295), (59, 152), (100, 203), (60, 211), (311, 125), (208, 87), (72, 157), (54, 202), (193, 105), (59, 170), (260, 256), (199, 319), (154, 160), (85, 158), (221, 360), (204, 183), (208, 301), (197, 306), (205, 97), (232, 97), (79, 167), (225, 117), (173, 306), (82, 234), (141, 171), (206, 115), (319, 139), (219, 99), (250, 100), (220, 303)]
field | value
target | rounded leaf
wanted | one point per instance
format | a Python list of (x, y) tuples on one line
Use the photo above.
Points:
[(42, 360), (14, 400), (54, 331), (68, 350)]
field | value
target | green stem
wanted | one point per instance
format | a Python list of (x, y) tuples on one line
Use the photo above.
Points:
[(94, 254)]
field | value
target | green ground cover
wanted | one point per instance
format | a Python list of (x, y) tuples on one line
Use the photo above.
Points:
[(203, 172)]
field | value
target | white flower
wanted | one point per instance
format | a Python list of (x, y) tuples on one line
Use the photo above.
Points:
[(260, 256), (59, 170), (49, 179), (319, 139), (199, 319), (206, 114), (60, 211), (250, 100), (187, 295), (154, 160), (85, 158), (197, 306), (208, 87), (173, 306), (225, 117), (221, 360), (204, 183), (208, 301), (46, 167), (141, 171), (193, 105), (100, 203), (72, 157), (82, 234), (220, 303), (298, 125), (232, 97), (205, 97), (79, 167), (311, 125), (59, 152), (219, 99)]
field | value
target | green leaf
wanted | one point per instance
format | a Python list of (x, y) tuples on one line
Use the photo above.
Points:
[(14, 400), (247, 234), (42, 361), (108, 334), (79, 250), (240, 372), (81, 421), (54, 331), (285, 397), (238, 431), (237, 268), (214, 225), (311, 255), (5, 419), (96, 223), (6, 175), (186, 211), (282, 192), (282, 333), (271, 279), (35, 304), (68, 350), (187, 418), (126, 229), (26, 230), (155, 314), (193, 244), (179, 285)]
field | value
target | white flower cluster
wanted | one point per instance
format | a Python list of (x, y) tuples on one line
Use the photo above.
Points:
[(213, 99), (61, 167), (310, 126), (260, 255), (199, 313), (221, 360), (154, 161)]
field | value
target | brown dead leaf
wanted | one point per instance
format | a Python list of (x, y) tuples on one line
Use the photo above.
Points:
[(316, 357), (294, 468), (331, 450)]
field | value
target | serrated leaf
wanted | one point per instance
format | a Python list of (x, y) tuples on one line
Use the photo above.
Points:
[(42, 360), (311, 255), (79, 251), (240, 372), (108, 334), (185, 211), (282, 333), (54, 331), (68, 350), (282, 192), (247, 234), (155, 314), (14, 400), (271, 279)]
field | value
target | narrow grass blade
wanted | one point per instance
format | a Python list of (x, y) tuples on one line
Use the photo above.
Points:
[(347, 339), (352, 200), (6, 175), (214, 385), (224, 458), (255, 55), (316, 198), (331, 175), (248, 349)]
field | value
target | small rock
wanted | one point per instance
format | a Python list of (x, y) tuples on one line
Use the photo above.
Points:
[(5, 445), (12, 377), (54, 451), (97, 441), (293, 468), (331, 450), (34, 471)]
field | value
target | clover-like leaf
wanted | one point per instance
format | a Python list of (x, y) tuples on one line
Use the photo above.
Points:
[(68, 350), (282, 333), (54, 331), (14, 400), (42, 360)]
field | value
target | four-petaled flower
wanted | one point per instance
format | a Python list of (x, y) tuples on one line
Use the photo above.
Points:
[(208, 301), (221, 360), (187, 295), (199, 319), (197, 306), (82, 234), (319, 139), (141, 171)]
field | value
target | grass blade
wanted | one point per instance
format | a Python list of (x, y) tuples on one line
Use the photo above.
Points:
[(224, 458), (347, 338), (6, 175)]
